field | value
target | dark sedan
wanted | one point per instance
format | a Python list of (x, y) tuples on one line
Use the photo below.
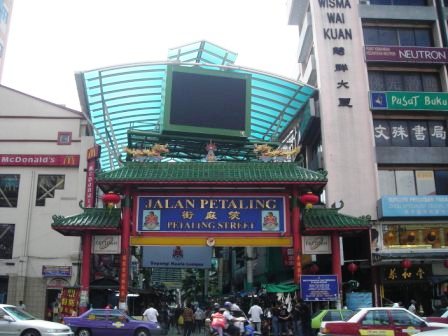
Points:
[(110, 322)]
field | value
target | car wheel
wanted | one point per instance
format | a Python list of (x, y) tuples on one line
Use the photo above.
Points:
[(30, 333), (83, 332), (141, 332)]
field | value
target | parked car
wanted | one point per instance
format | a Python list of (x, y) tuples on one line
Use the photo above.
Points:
[(437, 332), (326, 315), (440, 315), (380, 321), (17, 322), (110, 322)]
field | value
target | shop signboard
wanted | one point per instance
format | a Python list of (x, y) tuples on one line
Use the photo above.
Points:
[(406, 54), (406, 101), (69, 301), (49, 271), (316, 244), (413, 206), (39, 160), (211, 214), (319, 287)]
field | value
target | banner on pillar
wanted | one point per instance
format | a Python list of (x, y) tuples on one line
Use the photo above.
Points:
[(316, 245)]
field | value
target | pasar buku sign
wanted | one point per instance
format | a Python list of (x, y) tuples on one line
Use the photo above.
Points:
[(39, 160)]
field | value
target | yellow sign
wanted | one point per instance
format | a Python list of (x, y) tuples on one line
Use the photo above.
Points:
[(219, 241), (376, 332), (118, 324)]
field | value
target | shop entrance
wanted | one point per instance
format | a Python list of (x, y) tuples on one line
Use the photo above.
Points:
[(405, 292)]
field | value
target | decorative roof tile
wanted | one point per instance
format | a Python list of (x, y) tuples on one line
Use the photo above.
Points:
[(244, 172), (330, 219), (91, 218)]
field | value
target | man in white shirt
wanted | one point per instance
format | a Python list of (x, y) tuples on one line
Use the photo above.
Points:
[(255, 313), (151, 314)]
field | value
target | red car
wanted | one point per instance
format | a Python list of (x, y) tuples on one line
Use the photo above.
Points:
[(380, 321)]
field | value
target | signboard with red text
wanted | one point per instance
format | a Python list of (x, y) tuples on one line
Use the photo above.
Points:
[(39, 160)]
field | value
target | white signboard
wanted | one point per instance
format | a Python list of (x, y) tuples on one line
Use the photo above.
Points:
[(106, 245), (177, 256), (316, 245)]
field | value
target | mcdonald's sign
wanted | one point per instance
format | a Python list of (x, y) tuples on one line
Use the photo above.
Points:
[(93, 152), (39, 160)]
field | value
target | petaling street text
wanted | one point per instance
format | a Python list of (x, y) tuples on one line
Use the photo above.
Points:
[(211, 203), (211, 226)]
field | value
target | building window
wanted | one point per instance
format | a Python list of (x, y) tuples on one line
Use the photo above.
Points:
[(396, 36), (46, 186), (399, 2), (415, 235), (6, 240), (9, 190), (404, 81), (420, 182), (410, 133)]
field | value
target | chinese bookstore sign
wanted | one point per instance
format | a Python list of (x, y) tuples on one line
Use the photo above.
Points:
[(229, 214), (413, 206)]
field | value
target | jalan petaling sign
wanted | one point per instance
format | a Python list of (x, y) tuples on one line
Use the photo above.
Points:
[(403, 100), (228, 214)]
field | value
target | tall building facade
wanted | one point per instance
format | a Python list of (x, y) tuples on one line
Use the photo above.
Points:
[(378, 126), (42, 171), (5, 17)]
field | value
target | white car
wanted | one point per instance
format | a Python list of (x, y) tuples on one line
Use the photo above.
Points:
[(437, 332), (16, 322)]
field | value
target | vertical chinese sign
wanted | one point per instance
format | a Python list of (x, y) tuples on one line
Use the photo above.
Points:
[(93, 154), (69, 301)]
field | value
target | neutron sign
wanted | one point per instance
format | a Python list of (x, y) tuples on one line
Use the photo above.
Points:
[(319, 287)]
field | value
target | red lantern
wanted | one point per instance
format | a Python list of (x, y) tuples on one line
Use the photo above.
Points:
[(352, 268), (406, 263), (314, 269), (110, 199), (309, 199), (445, 263)]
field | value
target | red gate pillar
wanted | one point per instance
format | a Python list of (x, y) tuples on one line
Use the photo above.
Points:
[(85, 271), (336, 261), (296, 243), (125, 251)]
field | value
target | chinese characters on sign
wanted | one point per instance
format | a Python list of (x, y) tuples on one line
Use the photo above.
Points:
[(410, 133), (398, 273), (336, 31), (230, 214), (69, 301)]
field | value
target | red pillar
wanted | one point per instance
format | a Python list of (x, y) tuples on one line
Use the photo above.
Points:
[(336, 260), (85, 271), (296, 237), (125, 250)]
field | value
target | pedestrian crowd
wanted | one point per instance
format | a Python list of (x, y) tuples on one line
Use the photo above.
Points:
[(228, 319)]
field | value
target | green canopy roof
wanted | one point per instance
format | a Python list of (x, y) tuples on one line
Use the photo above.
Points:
[(130, 96), (102, 220), (206, 172), (319, 219)]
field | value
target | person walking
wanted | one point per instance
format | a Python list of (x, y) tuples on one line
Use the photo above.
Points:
[(188, 316), (305, 316), (412, 308), (150, 314), (297, 320), (283, 320), (255, 313), (199, 317)]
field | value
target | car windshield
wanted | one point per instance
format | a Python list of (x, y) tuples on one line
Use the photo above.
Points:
[(18, 314)]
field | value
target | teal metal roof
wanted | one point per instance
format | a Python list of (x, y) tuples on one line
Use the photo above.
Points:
[(130, 96)]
